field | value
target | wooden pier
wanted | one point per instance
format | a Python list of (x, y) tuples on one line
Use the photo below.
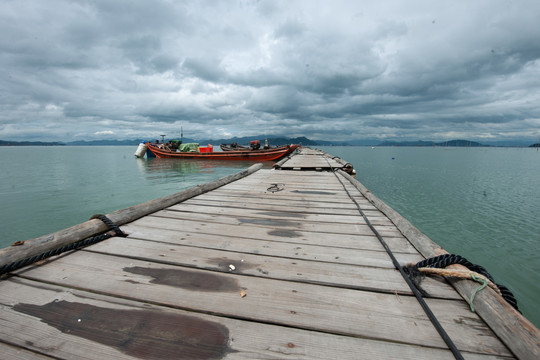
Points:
[(267, 264)]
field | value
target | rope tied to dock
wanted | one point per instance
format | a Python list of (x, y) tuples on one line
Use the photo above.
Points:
[(445, 260), (484, 282), (113, 228), (110, 224)]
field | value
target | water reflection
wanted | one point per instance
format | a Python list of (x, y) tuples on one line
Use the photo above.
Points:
[(155, 168)]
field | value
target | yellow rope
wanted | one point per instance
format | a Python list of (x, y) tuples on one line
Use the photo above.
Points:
[(463, 274)]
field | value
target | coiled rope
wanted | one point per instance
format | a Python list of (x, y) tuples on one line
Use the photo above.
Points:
[(445, 260), (76, 245), (444, 335), (276, 187)]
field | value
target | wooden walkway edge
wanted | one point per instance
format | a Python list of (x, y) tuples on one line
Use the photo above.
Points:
[(264, 264)]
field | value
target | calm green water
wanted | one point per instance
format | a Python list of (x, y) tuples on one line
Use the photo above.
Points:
[(481, 203)]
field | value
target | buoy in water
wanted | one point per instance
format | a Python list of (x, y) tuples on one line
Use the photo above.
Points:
[(140, 150)]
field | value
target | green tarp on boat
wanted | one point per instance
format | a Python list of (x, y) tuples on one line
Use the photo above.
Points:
[(189, 147)]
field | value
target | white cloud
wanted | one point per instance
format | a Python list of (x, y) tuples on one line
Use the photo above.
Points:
[(106, 132)]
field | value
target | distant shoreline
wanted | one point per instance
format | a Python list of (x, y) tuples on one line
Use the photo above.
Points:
[(274, 141)]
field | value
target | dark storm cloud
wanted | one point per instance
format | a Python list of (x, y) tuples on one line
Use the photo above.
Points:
[(329, 70)]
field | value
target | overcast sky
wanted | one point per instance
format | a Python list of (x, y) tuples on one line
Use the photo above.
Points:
[(334, 70)]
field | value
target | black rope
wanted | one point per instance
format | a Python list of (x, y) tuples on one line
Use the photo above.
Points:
[(73, 246), (445, 260), (444, 335), (275, 188), (110, 224)]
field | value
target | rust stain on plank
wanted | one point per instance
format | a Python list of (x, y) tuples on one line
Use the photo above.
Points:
[(145, 334), (188, 280)]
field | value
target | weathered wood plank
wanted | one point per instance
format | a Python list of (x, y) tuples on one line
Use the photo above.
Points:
[(241, 340), (17, 353), (290, 224), (284, 267), (310, 161), (352, 255), (351, 217), (311, 307), (312, 204), (299, 195), (254, 203), (246, 230)]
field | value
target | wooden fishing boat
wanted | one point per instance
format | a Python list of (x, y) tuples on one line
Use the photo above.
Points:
[(163, 151)]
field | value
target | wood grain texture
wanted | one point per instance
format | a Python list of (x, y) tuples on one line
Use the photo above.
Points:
[(311, 307), (246, 340), (281, 265), (293, 235)]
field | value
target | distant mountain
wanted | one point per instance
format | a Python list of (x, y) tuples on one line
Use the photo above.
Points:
[(273, 141), (453, 143), (407, 143), (29, 143), (463, 143)]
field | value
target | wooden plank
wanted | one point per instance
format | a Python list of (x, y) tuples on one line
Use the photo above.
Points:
[(186, 228), (311, 307), (353, 256), (215, 197), (294, 195), (288, 224), (312, 204), (351, 217), (304, 182), (16, 353), (294, 206), (31, 306), (306, 161), (285, 267)]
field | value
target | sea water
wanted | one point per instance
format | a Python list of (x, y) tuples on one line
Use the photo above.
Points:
[(480, 203)]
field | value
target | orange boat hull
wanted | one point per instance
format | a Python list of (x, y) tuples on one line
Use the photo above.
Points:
[(256, 155)]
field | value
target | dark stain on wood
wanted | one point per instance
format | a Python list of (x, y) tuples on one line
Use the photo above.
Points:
[(314, 192), (188, 280), (282, 214), (145, 334), (269, 222), (284, 233)]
